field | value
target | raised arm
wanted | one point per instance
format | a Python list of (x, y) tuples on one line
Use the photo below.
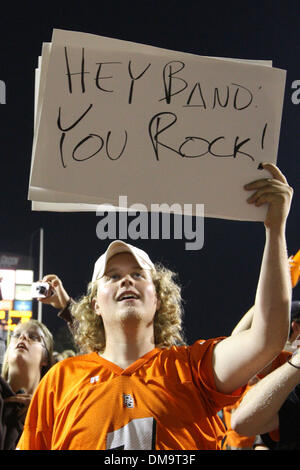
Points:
[(59, 299), (258, 411), (245, 322), (238, 358)]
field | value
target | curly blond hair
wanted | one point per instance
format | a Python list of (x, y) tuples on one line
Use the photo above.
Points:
[(89, 333)]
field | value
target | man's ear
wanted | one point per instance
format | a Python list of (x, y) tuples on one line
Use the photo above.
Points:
[(96, 307), (158, 304)]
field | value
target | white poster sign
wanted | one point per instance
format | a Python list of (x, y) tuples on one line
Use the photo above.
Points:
[(114, 118)]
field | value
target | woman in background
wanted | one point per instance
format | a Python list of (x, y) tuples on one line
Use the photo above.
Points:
[(28, 357)]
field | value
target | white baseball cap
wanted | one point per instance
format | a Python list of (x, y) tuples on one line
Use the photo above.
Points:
[(115, 248)]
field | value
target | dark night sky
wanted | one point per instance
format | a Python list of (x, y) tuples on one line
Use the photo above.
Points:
[(219, 281)]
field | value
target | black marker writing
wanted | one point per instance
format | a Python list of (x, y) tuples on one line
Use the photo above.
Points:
[(193, 146), (91, 139), (81, 73), (197, 87), (169, 75), (155, 121), (242, 97), (209, 146), (68, 129), (100, 64), (263, 135), (248, 95), (74, 123), (175, 79), (122, 150), (61, 149), (133, 79), (100, 139), (99, 143), (217, 98)]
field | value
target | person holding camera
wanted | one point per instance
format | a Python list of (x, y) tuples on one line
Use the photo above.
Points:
[(141, 387), (54, 294)]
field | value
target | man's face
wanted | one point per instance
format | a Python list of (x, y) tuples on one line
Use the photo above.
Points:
[(126, 293)]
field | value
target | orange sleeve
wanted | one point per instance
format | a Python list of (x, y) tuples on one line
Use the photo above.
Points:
[(32, 440), (201, 358)]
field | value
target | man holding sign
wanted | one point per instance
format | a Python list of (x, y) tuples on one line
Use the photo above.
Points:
[(138, 387)]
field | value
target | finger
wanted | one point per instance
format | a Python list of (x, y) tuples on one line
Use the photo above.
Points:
[(267, 198), (44, 300), (264, 190), (24, 397), (264, 182), (53, 281), (275, 172), (50, 277)]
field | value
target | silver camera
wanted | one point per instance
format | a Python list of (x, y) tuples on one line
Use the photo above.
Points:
[(41, 290)]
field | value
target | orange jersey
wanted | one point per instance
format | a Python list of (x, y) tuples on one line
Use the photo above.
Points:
[(166, 400)]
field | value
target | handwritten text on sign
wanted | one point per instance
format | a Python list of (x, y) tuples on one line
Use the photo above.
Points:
[(234, 96), (157, 126)]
